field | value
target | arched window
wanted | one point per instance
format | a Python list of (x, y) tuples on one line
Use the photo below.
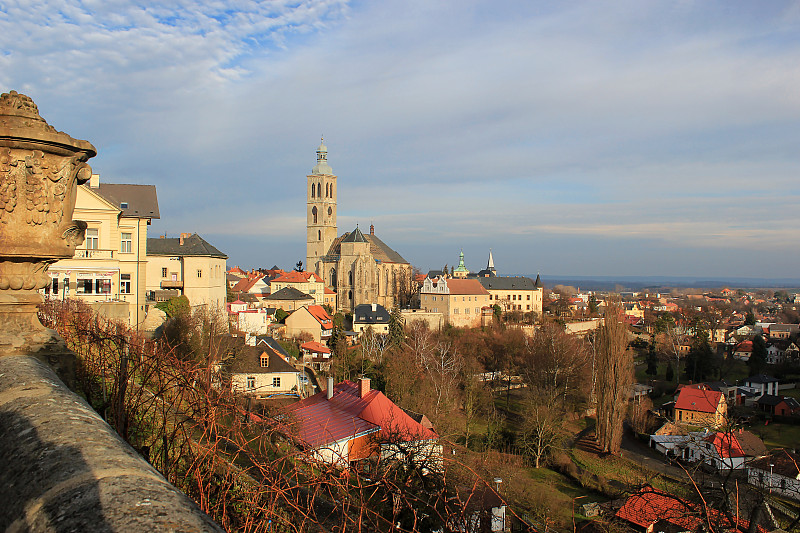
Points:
[(313, 190), (319, 235), (330, 211), (378, 283), (319, 190), (350, 295), (327, 189), (314, 213), (333, 278), (350, 277)]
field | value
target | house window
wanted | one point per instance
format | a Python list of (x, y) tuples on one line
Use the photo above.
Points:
[(276, 382), (528, 307), (251, 383), (529, 297), (477, 311), (55, 285), (84, 286), (199, 273), (102, 286), (123, 205), (455, 311), (466, 310), (126, 243), (264, 361), (125, 283), (92, 238), (164, 272)]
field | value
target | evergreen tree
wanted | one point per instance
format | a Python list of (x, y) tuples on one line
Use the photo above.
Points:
[(700, 362), (670, 373), (758, 359), (652, 361), (396, 331)]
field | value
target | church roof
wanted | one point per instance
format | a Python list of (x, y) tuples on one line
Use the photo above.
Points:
[(355, 236), (379, 250)]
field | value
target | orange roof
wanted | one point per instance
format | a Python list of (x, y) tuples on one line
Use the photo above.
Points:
[(704, 401), (746, 346), (313, 346), (329, 291), (298, 277), (322, 316), (465, 286)]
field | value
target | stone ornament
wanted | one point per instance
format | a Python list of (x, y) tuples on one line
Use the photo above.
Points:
[(40, 169)]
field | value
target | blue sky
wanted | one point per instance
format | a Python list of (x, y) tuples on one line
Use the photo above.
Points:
[(573, 138)]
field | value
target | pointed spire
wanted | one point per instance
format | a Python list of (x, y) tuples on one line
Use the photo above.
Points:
[(490, 265), (538, 283), (461, 267)]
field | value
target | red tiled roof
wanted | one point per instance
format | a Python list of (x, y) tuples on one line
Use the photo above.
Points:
[(320, 421), (322, 316), (745, 346), (465, 286), (329, 291), (298, 277), (704, 401), (314, 346)]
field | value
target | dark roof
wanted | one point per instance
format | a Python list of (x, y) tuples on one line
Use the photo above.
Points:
[(761, 378), (538, 283), (365, 315), (355, 236), (435, 273), (192, 245), (771, 399), (271, 342), (141, 200), (379, 250), (506, 283), (784, 463), (248, 360), (289, 293)]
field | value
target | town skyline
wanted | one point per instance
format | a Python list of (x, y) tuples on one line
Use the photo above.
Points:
[(588, 139)]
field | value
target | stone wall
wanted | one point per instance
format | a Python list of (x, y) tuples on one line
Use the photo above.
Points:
[(64, 469)]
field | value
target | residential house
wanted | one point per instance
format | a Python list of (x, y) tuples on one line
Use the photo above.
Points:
[(305, 282), (761, 384), (253, 284), (779, 473), (743, 351), (289, 299), (463, 302), (514, 293), (312, 320), (371, 316), (262, 371), (316, 355), (253, 321), (729, 450), (108, 271), (778, 405), (350, 422), (775, 352), (697, 407), (784, 331), (189, 265)]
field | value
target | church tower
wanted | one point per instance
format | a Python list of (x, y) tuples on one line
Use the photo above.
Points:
[(321, 211)]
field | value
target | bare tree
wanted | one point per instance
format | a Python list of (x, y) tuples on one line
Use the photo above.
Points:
[(540, 429), (614, 378)]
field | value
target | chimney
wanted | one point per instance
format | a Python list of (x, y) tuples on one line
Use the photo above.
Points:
[(374, 307), (372, 229), (330, 388), (94, 181), (184, 236), (363, 387)]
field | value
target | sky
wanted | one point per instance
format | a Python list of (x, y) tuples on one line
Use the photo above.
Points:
[(618, 138)]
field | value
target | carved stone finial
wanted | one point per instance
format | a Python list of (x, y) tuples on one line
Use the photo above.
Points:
[(40, 169)]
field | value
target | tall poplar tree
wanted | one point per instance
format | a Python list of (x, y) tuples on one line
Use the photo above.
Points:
[(614, 378)]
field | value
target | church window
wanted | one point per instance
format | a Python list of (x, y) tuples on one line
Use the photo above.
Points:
[(333, 278), (313, 191), (330, 211), (327, 190), (319, 235), (319, 190), (314, 214), (349, 295), (350, 278)]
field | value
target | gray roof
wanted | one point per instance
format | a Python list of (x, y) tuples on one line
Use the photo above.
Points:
[(192, 245), (538, 283), (289, 293), (141, 200), (271, 342), (379, 250), (365, 315), (507, 283), (355, 236), (760, 378), (248, 360)]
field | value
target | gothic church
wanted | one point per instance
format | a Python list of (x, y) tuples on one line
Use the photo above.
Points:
[(361, 268)]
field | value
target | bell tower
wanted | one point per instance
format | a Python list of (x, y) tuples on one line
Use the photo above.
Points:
[(321, 211)]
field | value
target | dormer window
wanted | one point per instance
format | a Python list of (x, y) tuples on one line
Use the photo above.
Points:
[(264, 361), (123, 205)]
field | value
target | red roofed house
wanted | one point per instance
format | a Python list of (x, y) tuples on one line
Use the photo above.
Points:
[(697, 407), (651, 510), (743, 351), (461, 301), (305, 282), (350, 422), (311, 319), (731, 450), (317, 355)]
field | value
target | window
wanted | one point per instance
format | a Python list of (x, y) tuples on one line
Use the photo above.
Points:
[(264, 361), (276, 382), (466, 310), (126, 243), (455, 311), (199, 273), (125, 283), (123, 205), (528, 307), (164, 272), (529, 297), (319, 235), (92, 238), (477, 310), (330, 211), (314, 214), (313, 190), (251, 383), (102, 286), (84, 286)]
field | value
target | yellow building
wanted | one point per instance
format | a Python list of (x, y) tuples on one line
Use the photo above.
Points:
[(108, 271), (305, 282), (463, 302), (187, 265), (700, 407), (513, 293)]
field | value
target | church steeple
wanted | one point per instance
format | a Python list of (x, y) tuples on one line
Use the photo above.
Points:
[(320, 210), (322, 166), (490, 264), (461, 271)]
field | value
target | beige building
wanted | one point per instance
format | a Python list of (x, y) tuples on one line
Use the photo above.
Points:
[(360, 268), (513, 293), (463, 302), (305, 282), (260, 371), (187, 265), (108, 270), (312, 320)]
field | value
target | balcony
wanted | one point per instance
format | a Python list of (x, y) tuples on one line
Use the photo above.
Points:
[(171, 284), (94, 254)]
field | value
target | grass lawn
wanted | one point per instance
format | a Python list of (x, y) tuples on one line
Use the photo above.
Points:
[(794, 393), (777, 435)]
